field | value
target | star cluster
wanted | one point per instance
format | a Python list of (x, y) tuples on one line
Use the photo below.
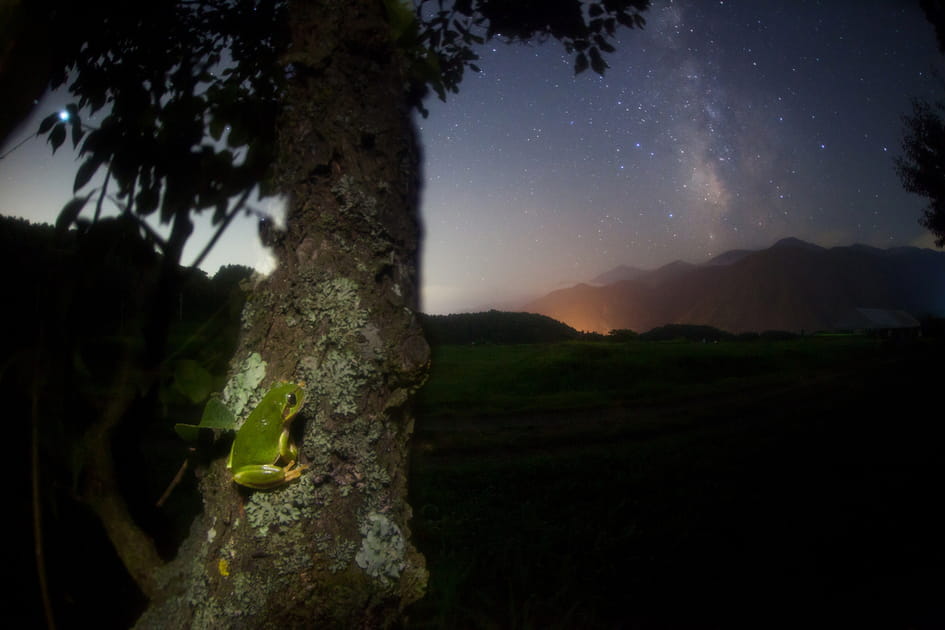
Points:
[(721, 125)]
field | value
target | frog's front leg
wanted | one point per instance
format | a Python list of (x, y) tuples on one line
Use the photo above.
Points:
[(288, 451)]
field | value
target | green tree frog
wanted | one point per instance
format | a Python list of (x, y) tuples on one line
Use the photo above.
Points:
[(263, 455)]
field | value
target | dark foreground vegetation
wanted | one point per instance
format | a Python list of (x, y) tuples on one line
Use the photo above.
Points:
[(771, 484), (75, 304)]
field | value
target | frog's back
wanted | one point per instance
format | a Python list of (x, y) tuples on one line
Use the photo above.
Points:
[(257, 441)]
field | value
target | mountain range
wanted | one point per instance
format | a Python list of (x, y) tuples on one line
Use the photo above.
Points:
[(793, 285)]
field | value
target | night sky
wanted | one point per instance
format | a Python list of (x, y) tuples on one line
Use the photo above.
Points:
[(721, 125)]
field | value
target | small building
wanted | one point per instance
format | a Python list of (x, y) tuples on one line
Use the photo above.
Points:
[(881, 322)]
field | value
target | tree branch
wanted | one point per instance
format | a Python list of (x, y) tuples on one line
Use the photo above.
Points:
[(135, 548)]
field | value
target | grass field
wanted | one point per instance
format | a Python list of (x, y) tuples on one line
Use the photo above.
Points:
[(663, 485), (511, 379)]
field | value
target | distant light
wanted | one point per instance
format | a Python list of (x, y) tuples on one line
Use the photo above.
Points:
[(63, 115)]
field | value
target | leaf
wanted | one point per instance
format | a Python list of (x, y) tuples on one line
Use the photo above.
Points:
[(187, 432), (147, 199), (604, 45), (597, 62), (77, 131), (580, 63), (57, 136), (85, 172), (70, 212), (192, 380), (47, 123), (217, 125), (631, 20), (220, 212), (237, 137), (216, 416)]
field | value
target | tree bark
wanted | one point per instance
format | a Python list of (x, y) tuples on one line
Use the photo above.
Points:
[(333, 548)]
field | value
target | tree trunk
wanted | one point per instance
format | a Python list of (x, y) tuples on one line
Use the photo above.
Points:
[(331, 549)]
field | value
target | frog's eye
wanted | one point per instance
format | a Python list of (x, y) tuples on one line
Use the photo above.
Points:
[(291, 400)]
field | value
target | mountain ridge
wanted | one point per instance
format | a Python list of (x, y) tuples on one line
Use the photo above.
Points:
[(792, 285)]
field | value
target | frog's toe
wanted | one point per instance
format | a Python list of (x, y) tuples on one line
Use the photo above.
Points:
[(294, 472)]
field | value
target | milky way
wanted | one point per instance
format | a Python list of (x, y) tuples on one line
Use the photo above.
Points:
[(721, 125)]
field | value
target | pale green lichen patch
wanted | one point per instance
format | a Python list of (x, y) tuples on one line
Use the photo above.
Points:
[(249, 596), (383, 552), (339, 553), (340, 378), (262, 513), (336, 304), (337, 370), (244, 382), (350, 196), (284, 507)]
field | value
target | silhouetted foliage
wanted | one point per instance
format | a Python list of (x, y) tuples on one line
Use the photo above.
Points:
[(229, 276), (192, 90), (935, 13), (494, 327), (622, 334), (689, 332), (922, 168), (77, 317), (582, 27), (88, 291), (189, 93)]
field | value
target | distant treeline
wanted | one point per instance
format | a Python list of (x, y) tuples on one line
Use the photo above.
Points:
[(500, 327), (495, 327), (692, 332), (94, 284)]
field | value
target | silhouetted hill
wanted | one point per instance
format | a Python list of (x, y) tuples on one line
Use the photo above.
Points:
[(792, 285), (792, 242), (729, 257), (666, 273), (494, 327), (617, 274)]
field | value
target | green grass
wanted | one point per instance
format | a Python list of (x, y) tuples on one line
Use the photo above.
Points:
[(790, 484), (470, 381)]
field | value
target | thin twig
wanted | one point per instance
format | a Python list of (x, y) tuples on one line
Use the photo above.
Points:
[(101, 196), (223, 225), (174, 483), (37, 503)]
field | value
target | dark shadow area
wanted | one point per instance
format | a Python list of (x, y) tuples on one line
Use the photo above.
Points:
[(812, 505), (79, 319)]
